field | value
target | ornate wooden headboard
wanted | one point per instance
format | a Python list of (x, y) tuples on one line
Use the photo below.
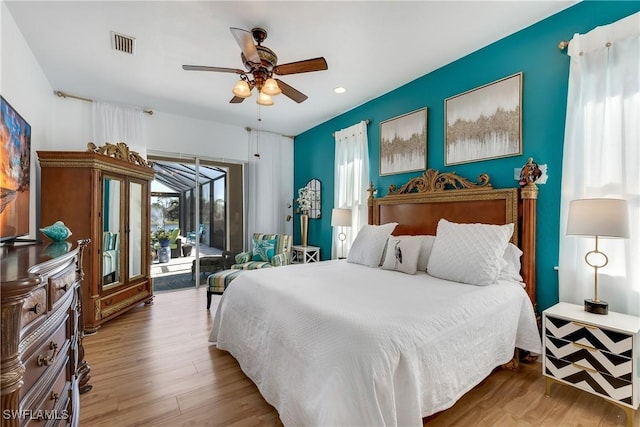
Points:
[(419, 204)]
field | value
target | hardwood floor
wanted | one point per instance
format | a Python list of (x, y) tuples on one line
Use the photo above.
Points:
[(154, 367)]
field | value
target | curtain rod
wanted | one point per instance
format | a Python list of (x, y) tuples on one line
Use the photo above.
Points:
[(61, 94), (248, 129), (366, 121)]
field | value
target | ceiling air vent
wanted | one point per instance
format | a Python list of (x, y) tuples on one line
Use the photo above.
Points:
[(122, 43)]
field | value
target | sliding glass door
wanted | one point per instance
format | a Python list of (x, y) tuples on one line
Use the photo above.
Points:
[(192, 197)]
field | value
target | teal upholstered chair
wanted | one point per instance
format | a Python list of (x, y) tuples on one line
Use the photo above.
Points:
[(267, 250), (192, 235)]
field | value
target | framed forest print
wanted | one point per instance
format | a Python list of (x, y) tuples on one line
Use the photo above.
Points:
[(403, 143), (484, 123)]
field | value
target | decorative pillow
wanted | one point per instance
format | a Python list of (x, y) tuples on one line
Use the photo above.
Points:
[(402, 254), (369, 243), (469, 253), (511, 264), (263, 250), (426, 244)]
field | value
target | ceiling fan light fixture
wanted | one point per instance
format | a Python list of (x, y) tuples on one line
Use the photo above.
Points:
[(242, 89), (264, 99), (271, 87)]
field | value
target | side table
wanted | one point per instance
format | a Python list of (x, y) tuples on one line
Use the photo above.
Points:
[(593, 352), (305, 254)]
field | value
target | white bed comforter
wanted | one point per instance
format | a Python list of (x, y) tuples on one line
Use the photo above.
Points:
[(334, 343)]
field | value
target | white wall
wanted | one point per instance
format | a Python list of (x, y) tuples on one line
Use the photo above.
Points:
[(166, 133), (178, 134), (24, 85), (65, 124)]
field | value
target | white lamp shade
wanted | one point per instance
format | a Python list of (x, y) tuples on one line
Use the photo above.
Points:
[(340, 217), (242, 89), (271, 88), (264, 99), (598, 217)]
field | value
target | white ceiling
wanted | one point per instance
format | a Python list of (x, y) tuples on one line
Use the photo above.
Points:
[(371, 47)]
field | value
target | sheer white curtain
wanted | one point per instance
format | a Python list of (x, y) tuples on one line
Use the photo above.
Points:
[(269, 184), (116, 123), (351, 181), (602, 159)]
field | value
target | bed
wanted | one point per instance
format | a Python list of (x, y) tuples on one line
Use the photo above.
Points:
[(345, 343)]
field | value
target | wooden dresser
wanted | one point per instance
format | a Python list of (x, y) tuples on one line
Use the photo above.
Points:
[(43, 367)]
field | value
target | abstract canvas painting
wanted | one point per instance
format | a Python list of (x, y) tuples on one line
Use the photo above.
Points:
[(403, 143), (484, 123)]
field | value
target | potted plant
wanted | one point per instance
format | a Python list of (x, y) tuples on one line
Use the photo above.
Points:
[(161, 236)]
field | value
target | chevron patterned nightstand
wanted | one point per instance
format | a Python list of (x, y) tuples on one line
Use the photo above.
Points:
[(595, 353)]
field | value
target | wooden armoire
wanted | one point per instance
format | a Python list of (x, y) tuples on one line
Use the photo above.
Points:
[(103, 193)]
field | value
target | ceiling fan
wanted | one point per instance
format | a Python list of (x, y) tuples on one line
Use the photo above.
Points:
[(261, 64)]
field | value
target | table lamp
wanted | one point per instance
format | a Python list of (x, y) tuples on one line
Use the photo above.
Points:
[(341, 217), (598, 218)]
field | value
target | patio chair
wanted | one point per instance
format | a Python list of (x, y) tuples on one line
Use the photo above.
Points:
[(175, 243), (192, 235)]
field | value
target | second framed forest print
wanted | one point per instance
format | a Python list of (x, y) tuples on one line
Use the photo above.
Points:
[(403, 143), (484, 123)]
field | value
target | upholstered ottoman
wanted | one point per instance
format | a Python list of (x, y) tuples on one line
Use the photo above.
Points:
[(218, 282), (209, 264)]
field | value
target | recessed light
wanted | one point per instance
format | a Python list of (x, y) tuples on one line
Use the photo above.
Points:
[(340, 90)]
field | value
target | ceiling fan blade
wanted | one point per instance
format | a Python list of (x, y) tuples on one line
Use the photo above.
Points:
[(218, 69), (245, 41), (306, 66), (292, 93), (236, 100)]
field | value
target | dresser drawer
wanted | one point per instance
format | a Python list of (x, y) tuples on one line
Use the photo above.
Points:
[(590, 336), (120, 300), (589, 379), (34, 306), (51, 408), (48, 354), (61, 283), (604, 362)]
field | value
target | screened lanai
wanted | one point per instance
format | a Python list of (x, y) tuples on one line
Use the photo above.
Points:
[(199, 204), (173, 202)]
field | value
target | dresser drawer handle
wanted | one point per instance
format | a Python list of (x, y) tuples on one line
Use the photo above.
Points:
[(587, 347), (49, 360), (584, 367), (37, 309), (585, 325)]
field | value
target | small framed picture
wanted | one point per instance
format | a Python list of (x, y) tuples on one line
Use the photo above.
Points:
[(403, 143)]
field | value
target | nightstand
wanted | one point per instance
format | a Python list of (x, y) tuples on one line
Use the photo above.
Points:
[(305, 254), (595, 353)]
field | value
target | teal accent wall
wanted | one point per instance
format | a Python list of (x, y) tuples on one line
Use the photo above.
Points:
[(532, 51)]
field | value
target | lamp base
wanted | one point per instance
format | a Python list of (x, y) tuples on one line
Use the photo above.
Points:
[(596, 307)]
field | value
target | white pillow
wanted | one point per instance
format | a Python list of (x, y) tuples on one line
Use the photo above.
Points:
[(426, 244), (369, 243), (469, 253), (511, 264), (402, 254)]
